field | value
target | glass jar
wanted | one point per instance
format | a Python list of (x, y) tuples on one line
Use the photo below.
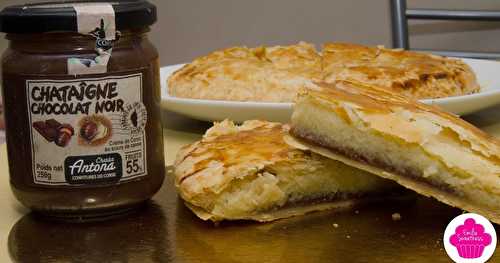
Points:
[(84, 136)]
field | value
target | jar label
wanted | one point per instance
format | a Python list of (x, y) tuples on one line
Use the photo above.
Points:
[(87, 131), (97, 20)]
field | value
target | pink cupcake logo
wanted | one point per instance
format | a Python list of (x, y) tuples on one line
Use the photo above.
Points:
[(470, 238)]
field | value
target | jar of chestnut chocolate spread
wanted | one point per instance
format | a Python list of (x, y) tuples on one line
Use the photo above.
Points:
[(82, 106)]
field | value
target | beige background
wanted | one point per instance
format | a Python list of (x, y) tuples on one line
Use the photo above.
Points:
[(190, 28)]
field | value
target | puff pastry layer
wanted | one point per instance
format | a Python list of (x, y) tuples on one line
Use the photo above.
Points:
[(275, 74), (413, 74), (249, 172), (419, 146)]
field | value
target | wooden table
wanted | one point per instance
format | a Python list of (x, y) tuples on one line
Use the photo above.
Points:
[(166, 231)]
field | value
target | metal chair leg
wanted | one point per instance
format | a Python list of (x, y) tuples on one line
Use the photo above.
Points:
[(399, 24)]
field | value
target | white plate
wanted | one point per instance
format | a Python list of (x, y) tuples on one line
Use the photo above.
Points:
[(488, 74)]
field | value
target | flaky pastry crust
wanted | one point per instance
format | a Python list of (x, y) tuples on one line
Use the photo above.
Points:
[(458, 163), (267, 74), (413, 74), (248, 172), (275, 74)]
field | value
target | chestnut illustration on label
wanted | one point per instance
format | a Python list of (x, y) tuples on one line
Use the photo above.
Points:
[(54, 131), (65, 132), (94, 130)]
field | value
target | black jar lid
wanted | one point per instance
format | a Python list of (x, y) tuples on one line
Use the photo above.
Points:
[(60, 16)]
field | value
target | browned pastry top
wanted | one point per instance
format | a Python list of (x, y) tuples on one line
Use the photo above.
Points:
[(413, 74), (375, 100), (275, 74)]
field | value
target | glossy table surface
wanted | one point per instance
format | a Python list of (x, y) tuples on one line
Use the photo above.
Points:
[(164, 230)]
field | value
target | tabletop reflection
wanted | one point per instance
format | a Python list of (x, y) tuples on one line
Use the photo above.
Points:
[(166, 231), (140, 237)]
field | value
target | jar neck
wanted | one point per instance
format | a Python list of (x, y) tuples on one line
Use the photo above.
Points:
[(61, 42)]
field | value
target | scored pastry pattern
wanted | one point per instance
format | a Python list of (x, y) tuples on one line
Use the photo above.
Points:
[(275, 74)]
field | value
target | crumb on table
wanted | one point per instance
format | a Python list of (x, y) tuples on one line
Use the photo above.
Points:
[(396, 217)]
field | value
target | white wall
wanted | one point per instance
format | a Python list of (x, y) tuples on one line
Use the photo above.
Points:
[(190, 28), (461, 35), (193, 28)]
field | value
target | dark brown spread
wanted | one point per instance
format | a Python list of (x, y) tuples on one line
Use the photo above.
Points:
[(84, 134)]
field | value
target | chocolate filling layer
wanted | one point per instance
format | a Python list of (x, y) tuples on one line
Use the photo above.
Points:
[(407, 172), (394, 193)]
